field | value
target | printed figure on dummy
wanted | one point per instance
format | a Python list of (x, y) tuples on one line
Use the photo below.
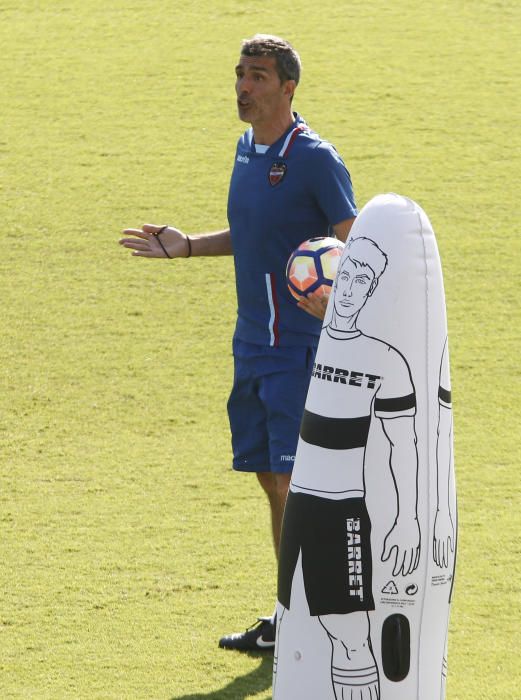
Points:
[(378, 381), (444, 528), (444, 524), (363, 608)]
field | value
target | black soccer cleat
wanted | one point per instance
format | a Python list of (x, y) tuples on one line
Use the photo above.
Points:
[(259, 637)]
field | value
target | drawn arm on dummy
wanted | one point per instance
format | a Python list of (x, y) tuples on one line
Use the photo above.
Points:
[(403, 540), (443, 524)]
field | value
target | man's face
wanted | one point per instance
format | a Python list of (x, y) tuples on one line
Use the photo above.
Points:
[(261, 97), (353, 284)]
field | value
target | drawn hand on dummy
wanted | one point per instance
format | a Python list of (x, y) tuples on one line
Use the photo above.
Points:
[(443, 538), (404, 540)]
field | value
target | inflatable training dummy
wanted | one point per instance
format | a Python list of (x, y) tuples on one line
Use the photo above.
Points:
[(369, 535)]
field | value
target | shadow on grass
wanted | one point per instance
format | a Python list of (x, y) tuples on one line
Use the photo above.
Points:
[(258, 680)]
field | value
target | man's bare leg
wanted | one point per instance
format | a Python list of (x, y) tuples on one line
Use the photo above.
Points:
[(276, 488), (262, 635)]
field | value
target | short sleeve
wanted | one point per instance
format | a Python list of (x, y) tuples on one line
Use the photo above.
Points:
[(444, 391), (396, 396), (332, 185)]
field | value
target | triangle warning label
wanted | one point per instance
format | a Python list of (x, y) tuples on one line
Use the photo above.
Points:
[(390, 588)]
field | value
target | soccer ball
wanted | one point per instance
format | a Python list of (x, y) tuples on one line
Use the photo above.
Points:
[(312, 267)]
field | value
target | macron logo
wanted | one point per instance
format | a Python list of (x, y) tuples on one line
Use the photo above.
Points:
[(243, 159)]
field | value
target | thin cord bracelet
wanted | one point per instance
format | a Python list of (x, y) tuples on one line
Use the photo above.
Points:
[(156, 234), (189, 241)]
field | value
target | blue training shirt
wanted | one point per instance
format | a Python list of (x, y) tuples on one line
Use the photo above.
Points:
[(296, 190)]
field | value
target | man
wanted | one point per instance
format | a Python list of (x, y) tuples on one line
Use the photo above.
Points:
[(355, 377), (287, 185)]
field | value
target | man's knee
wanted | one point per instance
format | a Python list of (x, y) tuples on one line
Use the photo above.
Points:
[(275, 485), (265, 479), (282, 484)]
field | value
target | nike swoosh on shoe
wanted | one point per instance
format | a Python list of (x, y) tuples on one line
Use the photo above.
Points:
[(264, 645)]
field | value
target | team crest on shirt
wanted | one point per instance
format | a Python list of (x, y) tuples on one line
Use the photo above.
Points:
[(277, 172)]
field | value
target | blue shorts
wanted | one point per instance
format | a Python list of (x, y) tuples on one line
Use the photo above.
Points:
[(266, 405)]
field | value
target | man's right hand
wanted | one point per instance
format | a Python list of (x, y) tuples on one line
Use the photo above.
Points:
[(144, 243), (316, 306)]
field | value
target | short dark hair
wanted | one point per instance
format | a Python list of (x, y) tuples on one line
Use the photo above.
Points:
[(364, 251), (287, 60)]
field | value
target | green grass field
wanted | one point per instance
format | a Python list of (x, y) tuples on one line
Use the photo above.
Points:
[(127, 545)]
